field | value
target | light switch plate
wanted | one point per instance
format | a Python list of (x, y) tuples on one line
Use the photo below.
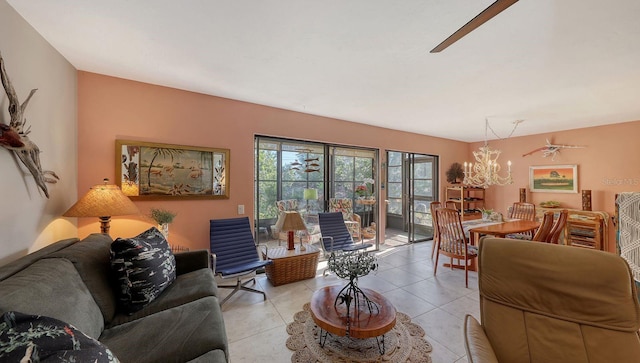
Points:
[(240, 208)]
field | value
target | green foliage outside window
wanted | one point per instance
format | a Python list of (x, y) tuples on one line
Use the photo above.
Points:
[(348, 171)]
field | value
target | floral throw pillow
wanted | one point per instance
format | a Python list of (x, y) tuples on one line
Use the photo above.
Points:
[(143, 267), (36, 338)]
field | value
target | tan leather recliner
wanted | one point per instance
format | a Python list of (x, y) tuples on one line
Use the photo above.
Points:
[(542, 303)]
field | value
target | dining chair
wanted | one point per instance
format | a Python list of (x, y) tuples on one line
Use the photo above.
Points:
[(452, 241), (433, 206), (524, 211), (558, 227), (352, 220), (234, 254), (451, 204), (545, 227)]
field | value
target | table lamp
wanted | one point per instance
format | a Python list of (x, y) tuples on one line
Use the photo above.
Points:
[(291, 221), (310, 194), (103, 201)]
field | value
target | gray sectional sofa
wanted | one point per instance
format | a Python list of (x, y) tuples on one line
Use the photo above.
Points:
[(71, 281)]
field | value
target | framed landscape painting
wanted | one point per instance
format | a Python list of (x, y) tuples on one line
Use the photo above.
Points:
[(554, 178), (152, 171)]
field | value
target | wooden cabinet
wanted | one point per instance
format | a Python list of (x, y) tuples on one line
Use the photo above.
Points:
[(586, 229), (469, 200)]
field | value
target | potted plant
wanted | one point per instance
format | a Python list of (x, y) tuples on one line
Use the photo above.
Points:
[(163, 217), (365, 190), (486, 213)]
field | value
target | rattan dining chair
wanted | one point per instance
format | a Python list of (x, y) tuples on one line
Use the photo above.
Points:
[(452, 241)]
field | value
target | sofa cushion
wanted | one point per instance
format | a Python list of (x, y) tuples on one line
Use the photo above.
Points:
[(52, 287), (37, 338), (212, 356), (21, 263), (143, 267), (91, 258), (182, 333), (185, 288)]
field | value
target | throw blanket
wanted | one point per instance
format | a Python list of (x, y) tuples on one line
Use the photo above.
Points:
[(629, 230)]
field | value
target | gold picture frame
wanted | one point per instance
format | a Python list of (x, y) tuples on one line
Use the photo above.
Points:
[(553, 178), (154, 171)]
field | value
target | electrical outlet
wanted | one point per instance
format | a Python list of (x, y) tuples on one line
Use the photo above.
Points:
[(240, 208)]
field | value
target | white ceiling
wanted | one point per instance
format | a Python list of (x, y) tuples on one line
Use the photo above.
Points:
[(557, 64)]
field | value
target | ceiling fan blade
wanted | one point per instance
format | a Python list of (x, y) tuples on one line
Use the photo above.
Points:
[(488, 13)]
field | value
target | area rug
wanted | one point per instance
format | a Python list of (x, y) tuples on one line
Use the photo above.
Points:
[(404, 343)]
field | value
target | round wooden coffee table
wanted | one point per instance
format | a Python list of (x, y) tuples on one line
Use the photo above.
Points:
[(333, 319)]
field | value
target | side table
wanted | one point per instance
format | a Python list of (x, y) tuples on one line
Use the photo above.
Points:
[(291, 265), (331, 319)]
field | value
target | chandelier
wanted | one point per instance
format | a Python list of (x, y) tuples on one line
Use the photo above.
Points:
[(486, 170)]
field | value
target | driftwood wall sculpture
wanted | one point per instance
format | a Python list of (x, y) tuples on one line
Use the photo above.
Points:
[(14, 137)]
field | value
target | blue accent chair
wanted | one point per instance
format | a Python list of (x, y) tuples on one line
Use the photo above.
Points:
[(234, 253), (335, 235)]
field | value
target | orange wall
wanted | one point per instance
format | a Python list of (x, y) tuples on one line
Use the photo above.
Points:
[(112, 108), (609, 164)]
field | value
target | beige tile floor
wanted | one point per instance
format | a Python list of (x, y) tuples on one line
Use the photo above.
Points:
[(256, 329)]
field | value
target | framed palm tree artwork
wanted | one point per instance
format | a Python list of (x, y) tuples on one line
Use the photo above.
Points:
[(553, 178), (153, 171)]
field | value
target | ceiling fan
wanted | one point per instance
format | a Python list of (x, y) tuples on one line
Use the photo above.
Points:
[(488, 13)]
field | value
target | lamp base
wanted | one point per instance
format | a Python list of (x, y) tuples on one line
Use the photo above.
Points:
[(290, 243), (104, 224)]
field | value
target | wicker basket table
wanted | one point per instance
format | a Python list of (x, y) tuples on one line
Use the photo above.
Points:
[(289, 266)]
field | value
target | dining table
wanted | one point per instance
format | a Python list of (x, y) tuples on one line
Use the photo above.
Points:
[(475, 228)]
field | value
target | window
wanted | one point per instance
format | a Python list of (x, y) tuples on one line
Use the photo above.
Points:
[(394, 183), (285, 168)]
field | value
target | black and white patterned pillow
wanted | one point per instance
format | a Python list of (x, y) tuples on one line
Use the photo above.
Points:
[(36, 338), (143, 267)]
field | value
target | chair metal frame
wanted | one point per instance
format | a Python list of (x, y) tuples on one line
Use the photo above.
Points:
[(243, 257)]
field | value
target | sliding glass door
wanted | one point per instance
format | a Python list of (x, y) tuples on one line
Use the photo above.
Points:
[(420, 193), (311, 174), (412, 186)]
